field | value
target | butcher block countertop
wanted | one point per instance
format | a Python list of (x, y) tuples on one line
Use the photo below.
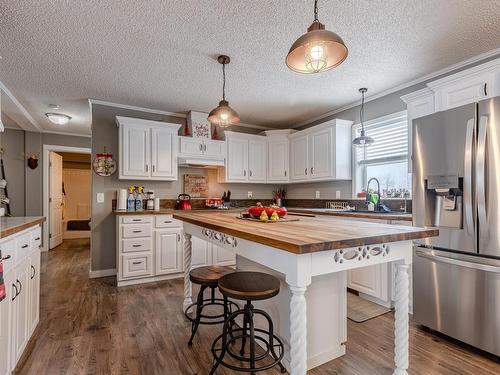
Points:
[(365, 215), (13, 225), (308, 234)]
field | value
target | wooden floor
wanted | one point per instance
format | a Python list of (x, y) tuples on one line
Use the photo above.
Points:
[(91, 327)]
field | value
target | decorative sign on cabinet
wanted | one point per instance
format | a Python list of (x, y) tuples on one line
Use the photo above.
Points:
[(147, 149)]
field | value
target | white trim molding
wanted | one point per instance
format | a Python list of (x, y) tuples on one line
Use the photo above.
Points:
[(21, 108), (102, 273), (66, 133), (135, 108)]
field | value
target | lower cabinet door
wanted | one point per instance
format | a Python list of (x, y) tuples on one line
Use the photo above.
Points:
[(223, 257), (200, 252), (168, 251), (20, 309), (371, 280), (6, 317), (34, 292), (137, 265)]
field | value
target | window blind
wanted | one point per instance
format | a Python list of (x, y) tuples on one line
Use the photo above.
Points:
[(391, 140)]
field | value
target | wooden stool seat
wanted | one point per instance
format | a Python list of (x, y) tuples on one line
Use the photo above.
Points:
[(249, 285), (209, 275)]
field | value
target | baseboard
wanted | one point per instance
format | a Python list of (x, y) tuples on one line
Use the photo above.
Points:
[(102, 273), (150, 279)]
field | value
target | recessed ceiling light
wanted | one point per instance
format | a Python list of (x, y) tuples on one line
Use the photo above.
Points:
[(58, 118)]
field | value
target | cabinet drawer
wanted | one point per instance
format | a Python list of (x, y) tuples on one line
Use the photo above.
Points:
[(23, 245), (167, 221), (136, 219), (8, 254), (136, 244), (137, 265), (136, 230), (36, 238)]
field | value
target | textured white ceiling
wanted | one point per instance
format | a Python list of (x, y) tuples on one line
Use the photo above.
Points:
[(160, 54)]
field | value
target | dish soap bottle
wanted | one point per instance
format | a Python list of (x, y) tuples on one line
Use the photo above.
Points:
[(139, 199), (131, 199)]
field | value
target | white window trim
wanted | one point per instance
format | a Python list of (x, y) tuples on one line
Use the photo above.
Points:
[(358, 174)]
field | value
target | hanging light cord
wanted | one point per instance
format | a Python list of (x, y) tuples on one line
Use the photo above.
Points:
[(316, 11), (223, 81), (362, 111)]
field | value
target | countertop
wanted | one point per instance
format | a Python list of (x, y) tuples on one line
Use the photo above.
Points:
[(13, 225), (364, 215), (309, 234), (162, 211)]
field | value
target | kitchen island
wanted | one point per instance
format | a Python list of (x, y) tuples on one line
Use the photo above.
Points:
[(305, 252)]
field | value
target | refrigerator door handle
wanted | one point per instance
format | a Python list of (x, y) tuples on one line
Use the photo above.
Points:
[(481, 176), (469, 141), (457, 262)]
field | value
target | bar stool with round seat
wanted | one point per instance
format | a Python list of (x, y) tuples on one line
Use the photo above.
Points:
[(208, 277), (248, 286)]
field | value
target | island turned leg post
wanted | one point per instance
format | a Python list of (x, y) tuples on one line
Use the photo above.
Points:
[(401, 325), (188, 290), (298, 331)]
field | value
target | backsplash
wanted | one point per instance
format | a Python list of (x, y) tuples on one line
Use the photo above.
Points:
[(359, 204)]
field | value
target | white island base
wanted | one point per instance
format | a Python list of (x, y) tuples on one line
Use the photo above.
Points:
[(326, 314)]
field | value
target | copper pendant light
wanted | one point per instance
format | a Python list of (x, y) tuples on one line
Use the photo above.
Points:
[(223, 115), (363, 140), (317, 50)]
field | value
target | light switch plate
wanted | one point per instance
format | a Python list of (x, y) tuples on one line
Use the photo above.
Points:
[(337, 194), (317, 194), (100, 197), (250, 194)]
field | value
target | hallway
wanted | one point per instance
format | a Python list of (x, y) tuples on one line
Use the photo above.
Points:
[(91, 327)]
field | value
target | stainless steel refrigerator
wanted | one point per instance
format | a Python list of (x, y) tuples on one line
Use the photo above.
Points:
[(456, 187)]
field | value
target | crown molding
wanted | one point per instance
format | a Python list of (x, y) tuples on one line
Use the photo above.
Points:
[(67, 133), (135, 108), (424, 78), (21, 108)]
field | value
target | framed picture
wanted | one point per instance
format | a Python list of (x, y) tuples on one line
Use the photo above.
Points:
[(200, 127)]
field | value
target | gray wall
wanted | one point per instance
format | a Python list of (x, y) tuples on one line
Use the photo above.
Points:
[(12, 143), (105, 133)]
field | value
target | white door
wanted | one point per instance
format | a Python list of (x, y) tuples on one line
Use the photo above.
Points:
[(223, 257), (163, 153), (20, 309), (6, 315), (200, 252), (299, 158), (278, 161), (136, 151), (55, 199), (168, 251), (191, 146), (320, 154), (257, 160), (237, 160), (34, 291), (213, 148)]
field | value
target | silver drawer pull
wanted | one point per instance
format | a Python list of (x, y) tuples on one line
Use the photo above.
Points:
[(136, 262), (167, 221), (136, 219), (5, 258), (24, 246), (37, 239), (136, 245), (137, 231)]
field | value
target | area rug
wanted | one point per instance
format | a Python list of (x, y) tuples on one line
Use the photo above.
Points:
[(360, 310)]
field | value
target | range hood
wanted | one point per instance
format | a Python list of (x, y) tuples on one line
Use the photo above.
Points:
[(199, 162)]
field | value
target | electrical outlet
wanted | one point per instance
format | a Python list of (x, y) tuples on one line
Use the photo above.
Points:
[(100, 197), (317, 194), (337, 194), (250, 195)]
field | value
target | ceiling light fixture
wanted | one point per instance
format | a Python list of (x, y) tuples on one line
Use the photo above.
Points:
[(223, 115), (363, 140), (317, 50), (58, 118)]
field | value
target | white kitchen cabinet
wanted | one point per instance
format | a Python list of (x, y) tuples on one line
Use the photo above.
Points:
[(213, 148), (237, 160), (222, 257), (278, 160), (5, 326), (168, 251), (201, 254), (34, 291), (322, 152), (20, 309), (257, 160), (199, 147), (372, 281), (147, 149)]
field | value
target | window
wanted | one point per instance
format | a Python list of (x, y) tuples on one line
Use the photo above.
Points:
[(387, 158)]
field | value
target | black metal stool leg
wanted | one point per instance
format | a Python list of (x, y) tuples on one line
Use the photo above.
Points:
[(196, 322), (243, 339), (249, 313), (212, 294), (271, 340), (223, 348)]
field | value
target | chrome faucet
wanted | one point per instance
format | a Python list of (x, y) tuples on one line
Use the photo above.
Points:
[(378, 205)]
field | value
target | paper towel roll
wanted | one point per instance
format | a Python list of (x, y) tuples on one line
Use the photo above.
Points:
[(157, 204), (121, 199)]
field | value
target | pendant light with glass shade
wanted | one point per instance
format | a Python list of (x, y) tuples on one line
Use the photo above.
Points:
[(317, 50), (363, 140), (223, 115)]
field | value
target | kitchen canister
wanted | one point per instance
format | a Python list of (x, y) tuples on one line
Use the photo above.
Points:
[(121, 199), (157, 204)]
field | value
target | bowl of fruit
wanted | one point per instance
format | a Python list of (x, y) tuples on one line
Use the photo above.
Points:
[(260, 212)]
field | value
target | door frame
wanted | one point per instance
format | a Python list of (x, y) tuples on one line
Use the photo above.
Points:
[(45, 192)]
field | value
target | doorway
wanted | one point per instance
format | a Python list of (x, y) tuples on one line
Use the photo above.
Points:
[(67, 194)]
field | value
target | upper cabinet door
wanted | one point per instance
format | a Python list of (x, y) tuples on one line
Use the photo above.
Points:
[(237, 159), (213, 148), (164, 153), (278, 153), (191, 146), (136, 152), (299, 158), (257, 160), (320, 154)]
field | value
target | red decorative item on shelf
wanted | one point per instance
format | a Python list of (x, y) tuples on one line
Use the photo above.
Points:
[(186, 130), (215, 136)]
